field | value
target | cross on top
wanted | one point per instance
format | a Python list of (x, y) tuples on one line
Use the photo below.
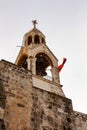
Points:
[(34, 23)]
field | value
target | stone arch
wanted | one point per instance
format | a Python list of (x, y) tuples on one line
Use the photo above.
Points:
[(42, 62), (36, 39), (43, 40), (29, 40), (46, 54), (23, 62)]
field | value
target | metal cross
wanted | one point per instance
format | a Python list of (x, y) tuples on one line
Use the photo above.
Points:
[(34, 23)]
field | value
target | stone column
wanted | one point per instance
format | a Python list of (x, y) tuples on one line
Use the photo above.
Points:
[(28, 63), (33, 65), (40, 39), (55, 75), (32, 38)]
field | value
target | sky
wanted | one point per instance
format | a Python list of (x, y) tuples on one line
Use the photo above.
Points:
[(64, 23)]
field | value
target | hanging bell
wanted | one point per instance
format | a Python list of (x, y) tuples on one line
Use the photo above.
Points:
[(41, 60)]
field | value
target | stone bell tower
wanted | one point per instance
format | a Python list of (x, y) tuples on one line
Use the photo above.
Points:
[(35, 56)]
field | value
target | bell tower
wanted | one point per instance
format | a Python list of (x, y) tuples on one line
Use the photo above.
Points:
[(34, 55)]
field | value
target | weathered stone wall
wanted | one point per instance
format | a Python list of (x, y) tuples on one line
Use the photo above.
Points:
[(47, 85), (25, 107), (80, 121), (51, 112), (15, 97)]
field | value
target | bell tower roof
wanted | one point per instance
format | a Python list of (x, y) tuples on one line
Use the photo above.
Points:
[(35, 30), (34, 37)]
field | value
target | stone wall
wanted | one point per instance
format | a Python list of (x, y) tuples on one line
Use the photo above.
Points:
[(80, 121), (51, 112), (15, 97), (27, 107), (47, 85), (54, 112)]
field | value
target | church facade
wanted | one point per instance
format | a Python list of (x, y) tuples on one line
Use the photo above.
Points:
[(30, 99)]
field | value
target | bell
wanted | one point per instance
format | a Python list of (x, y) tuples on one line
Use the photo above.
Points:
[(43, 73), (41, 60)]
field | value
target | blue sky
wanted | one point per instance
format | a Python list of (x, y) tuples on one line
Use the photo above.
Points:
[(64, 23)]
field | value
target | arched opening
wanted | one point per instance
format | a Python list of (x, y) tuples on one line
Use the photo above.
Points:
[(36, 39), (2, 125), (29, 40), (43, 65), (43, 41), (23, 62)]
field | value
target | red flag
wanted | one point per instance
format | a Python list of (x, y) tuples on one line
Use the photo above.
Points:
[(61, 65)]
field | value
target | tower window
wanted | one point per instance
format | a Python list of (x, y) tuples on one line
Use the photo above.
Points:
[(29, 40), (43, 66), (43, 40), (36, 39), (24, 63)]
